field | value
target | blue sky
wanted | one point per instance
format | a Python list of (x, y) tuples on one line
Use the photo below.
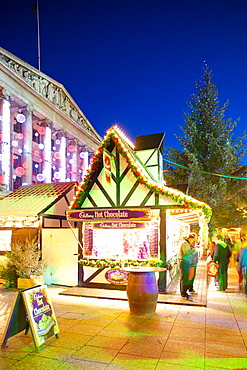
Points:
[(134, 62)]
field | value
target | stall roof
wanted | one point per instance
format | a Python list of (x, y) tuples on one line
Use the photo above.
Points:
[(149, 141), (115, 137), (33, 200)]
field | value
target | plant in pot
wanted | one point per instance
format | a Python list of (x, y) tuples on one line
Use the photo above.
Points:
[(25, 259), (8, 274)]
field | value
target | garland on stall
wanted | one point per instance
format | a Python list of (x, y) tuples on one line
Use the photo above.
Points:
[(111, 263), (144, 179)]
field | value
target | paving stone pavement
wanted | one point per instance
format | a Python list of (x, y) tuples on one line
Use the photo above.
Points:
[(102, 334)]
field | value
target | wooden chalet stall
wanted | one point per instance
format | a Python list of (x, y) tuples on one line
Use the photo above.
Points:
[(125, 214), (39, 210)]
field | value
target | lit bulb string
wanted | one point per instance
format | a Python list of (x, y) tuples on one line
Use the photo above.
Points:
[(208, 173)]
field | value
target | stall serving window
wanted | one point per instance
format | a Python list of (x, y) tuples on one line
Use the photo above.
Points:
[(176, 230), (138, 240)]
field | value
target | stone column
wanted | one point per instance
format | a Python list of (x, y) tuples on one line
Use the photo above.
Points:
[(5, 146), (63, 157), (84, 161), (47, 155), (73, 161), (27, 162)]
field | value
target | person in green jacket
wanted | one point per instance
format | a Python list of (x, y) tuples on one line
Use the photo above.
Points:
[(222, 255), (186, 249)]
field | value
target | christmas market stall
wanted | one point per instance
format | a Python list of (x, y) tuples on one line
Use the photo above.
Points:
[(38, 211), (126, 216)]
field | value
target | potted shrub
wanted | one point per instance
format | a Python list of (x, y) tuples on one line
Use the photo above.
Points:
[(8, 274), (25, 259)]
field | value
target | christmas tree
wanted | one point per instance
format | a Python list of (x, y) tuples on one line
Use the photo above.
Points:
[(211, 153)]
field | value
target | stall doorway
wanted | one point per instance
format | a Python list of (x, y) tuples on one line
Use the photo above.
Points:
[(60, 251)]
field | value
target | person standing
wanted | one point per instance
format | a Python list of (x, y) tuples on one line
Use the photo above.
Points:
[(239, 270), (235, 251), (242, 264), (222, 255), (211, 249), (184, 256), (192, 275)]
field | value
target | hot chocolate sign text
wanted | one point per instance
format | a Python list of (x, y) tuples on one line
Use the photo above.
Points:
[(110, 214)]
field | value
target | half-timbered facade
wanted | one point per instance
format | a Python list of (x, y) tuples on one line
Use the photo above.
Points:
[(126, 213)]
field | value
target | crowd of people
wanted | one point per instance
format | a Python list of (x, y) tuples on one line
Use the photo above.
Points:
[(223, 251), (238, 259)]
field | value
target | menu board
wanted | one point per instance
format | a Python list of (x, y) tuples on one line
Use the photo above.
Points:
[(41, 315), (121, 239), (32, 309)]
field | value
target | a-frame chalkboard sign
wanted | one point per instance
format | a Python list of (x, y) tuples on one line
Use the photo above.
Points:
[(32, 309)]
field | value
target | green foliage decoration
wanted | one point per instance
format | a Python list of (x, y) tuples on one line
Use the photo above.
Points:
[(23, 261), (8, 273), (121, 263)]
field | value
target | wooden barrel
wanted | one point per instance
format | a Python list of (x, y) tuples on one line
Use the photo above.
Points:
[(142, 292)]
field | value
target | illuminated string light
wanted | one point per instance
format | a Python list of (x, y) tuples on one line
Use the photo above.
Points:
[(47, 155), (142, 174), (6, 143), (208, 173), (62, 169)]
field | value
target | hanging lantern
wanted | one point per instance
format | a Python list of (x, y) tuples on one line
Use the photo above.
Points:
[(71, 148), (41, 130), (19, 171), (20, 118), (40, 177), (57, 175), (57, 155)]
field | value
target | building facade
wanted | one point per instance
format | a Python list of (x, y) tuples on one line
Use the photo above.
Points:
[(44, 135)]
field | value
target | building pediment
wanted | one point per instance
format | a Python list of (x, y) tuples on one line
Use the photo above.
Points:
[(47, 88)]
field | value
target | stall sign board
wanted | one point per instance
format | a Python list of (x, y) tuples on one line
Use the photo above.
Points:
[(32, 308), (116, 276), (109, 214)]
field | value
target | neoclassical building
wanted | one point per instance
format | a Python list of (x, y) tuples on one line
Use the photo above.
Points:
[(44, 135)]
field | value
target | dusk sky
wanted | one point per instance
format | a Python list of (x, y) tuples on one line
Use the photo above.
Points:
[(134, 62)]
